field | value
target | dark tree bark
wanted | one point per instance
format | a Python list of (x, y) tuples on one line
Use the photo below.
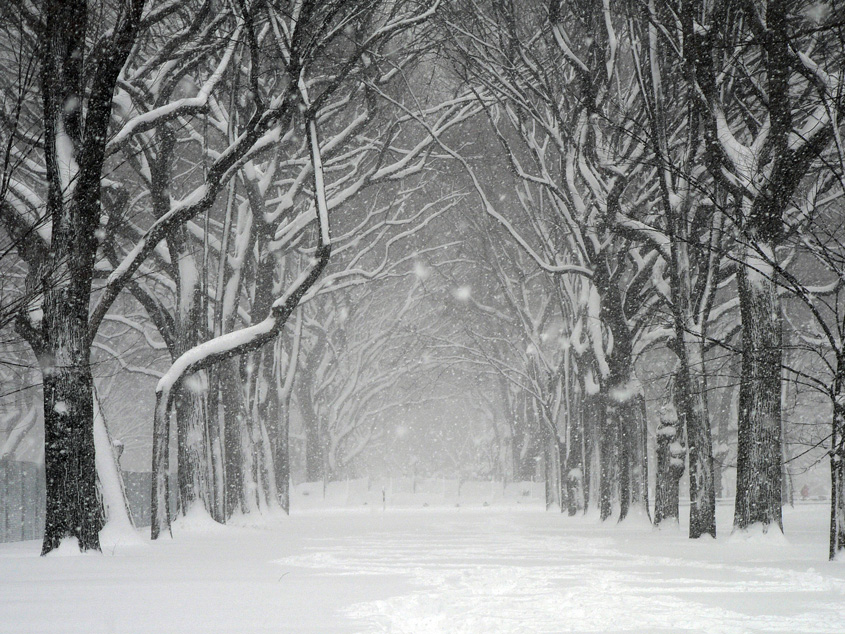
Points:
[(282, 456), (194, 471), (607, 445), (769, 164), (759, 454), (575, 493), (837, 461), (670, 466), (76, 119), (233, 414)]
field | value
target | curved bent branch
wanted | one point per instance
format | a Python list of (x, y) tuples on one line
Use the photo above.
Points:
[(235, 343)]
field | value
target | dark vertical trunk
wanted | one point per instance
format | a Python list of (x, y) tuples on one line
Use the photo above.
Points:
[(562, 485), (759, 456), (548, 474), (588, 445), (73, 509), (642, 454), (282, 457), (232, 403), (553, 471), (215, 444), (62, 341), (837, 479), (263, 405), (670, 466), (575, 466), (625, 436), (160, 493), (837, 462), (700, 448), (281, 446), (607, 446)]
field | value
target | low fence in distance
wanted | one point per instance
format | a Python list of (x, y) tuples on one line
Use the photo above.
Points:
[(22, 499), (22, 496), (416, 492)]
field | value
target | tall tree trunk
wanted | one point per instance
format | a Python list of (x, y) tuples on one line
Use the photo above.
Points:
[(624, 422), (700, 451), (285, 382), (194, 473), (837, 462), (314, 459), (759, 457), (233, 414), (575, 465), (215, 448), (670, 466), (552, 462), (73, 508), (194, 476), (282, 457), (607, 446), (642, 454), (723, 416), (589, 444), (73, 170)]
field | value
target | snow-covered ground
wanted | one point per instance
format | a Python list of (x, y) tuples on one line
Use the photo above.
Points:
[(461, 569)]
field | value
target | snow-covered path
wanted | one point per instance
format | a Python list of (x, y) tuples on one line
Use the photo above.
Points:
[(430, 570)]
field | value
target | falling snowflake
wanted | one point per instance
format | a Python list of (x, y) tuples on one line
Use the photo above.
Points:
[(421, 271), (462, 293)]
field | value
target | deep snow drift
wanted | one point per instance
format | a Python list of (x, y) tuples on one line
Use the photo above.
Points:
[(405, 570)]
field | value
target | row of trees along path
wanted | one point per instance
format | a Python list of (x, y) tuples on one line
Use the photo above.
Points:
[(658, 175)]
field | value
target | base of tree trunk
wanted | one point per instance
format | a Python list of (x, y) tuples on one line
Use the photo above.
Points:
[(73, 509)]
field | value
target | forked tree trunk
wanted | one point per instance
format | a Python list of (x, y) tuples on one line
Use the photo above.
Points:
[(62, 341), (759, 457)]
